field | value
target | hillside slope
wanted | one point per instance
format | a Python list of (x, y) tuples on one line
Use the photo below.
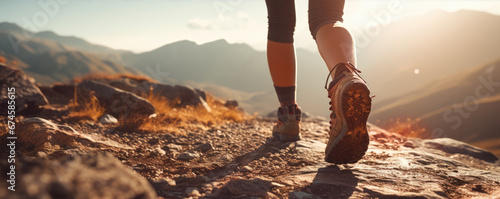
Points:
[(437, 44), (50, 61), (464, 106)]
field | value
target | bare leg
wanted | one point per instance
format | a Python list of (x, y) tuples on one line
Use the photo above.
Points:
[(281, 61), (282, 66), (336, 45), (349, 97)]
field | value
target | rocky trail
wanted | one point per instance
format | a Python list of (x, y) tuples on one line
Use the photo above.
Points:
[(61, 157), (241, 160)]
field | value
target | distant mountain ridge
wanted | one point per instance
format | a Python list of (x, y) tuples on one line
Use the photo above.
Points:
[(236, 66), (14, 28), (70, 41), (50, 61), (74, 42)]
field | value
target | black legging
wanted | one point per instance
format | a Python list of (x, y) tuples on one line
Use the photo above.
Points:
[(281, 17)]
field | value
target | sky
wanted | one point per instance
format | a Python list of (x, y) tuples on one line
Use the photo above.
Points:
[(143, 25)]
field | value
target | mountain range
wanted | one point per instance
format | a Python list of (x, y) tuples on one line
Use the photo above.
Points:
[(50, 58)]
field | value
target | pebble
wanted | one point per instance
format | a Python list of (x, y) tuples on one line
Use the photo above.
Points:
[(108, 119), (41, 154), (246, 169), (154, 141), (277, 158), (173, 147), (409, 144), (160, 151), (255, 187), (191, 191), (302, 195), (204, 147), (163, 183), (275, 184), (226, 157), (207, 187), (187, 155)]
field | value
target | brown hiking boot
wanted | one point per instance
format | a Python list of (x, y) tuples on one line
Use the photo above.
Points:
[(350, 103), (287, 129)]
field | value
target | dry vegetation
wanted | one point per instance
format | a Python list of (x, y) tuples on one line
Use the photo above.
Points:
[(3, 129), (85, 108), (168, 117), (408, 127)]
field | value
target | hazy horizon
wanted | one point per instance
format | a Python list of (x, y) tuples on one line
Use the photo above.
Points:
[(137, 26)]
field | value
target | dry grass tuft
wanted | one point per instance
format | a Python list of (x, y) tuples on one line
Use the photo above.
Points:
[(106, 76), (3, 128), (408, 127), (169, 118), (87, 108)]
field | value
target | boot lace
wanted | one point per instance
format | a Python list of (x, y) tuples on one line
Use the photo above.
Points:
[(349, 66)]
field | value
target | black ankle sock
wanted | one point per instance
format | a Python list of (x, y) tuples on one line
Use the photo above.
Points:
[(286, 95)]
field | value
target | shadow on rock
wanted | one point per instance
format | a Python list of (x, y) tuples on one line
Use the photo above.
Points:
[(328, 182), (254, 187)]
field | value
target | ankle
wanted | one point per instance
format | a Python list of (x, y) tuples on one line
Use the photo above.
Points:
[(340, 69), (288, 104), (286, 95), (290, 110)]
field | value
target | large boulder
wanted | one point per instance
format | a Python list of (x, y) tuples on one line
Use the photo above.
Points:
[(59, 93), (78, 177), (183, 95), (27, 95), (119, 103), (141, 88)]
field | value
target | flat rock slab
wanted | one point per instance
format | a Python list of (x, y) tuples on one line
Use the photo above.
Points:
[(309, 150), (255, 187), (36, 134), (450, 168)]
